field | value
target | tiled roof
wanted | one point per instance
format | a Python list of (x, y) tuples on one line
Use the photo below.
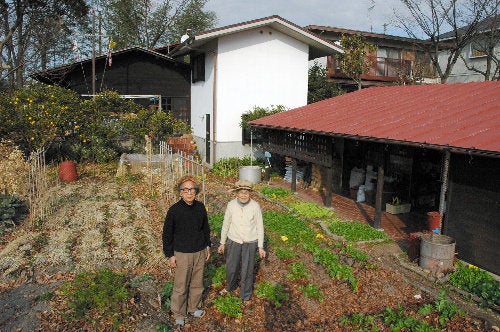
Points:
[(464, 116), (318, 47)]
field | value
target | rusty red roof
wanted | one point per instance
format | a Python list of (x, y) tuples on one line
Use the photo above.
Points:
[(462, 115)]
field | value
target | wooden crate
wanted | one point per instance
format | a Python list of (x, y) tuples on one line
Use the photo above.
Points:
[(397, 209)]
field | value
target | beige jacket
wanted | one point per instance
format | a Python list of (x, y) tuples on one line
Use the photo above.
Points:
[(243, 223)]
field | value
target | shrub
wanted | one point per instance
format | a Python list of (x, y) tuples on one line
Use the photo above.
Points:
[(229, 167), (104, 292)]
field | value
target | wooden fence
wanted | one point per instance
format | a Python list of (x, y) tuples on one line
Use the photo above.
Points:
[(40, 201), (177, 165)]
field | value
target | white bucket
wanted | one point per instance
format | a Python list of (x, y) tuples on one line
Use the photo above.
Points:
[(251, 173)]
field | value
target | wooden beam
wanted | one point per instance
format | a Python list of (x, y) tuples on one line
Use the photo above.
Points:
[(328, 187)]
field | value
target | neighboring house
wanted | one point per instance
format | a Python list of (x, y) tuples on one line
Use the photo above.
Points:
[(397, 60), (261, 63), (434, 146), (473, 60), (147, 77)]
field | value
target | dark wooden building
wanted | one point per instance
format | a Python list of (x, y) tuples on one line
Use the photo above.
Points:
[(436, 147), (146, 76)]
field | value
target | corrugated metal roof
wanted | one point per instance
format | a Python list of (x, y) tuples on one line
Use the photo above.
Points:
[(462, 115)]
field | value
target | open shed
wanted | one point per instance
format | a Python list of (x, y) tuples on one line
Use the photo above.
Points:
[(435, 147)]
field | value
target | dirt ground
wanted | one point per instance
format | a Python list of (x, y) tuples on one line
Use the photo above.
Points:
[(101, 221)]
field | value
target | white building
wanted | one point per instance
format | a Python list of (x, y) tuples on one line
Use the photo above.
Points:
[(261, 63)]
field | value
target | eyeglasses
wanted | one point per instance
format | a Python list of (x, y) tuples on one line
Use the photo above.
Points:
[(186, 190)]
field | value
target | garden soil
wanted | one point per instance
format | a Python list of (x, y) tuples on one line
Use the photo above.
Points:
[(101, 221)]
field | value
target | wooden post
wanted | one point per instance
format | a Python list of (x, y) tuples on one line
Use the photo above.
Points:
[(328, 187), (377, 224), (294, 175)]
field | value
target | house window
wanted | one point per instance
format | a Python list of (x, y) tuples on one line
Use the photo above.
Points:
[(477, 50), (198, 68)]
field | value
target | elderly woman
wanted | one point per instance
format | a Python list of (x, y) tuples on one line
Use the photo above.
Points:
[(242, 235)]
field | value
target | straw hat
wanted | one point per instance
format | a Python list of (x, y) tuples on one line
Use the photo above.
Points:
[(242, 184)]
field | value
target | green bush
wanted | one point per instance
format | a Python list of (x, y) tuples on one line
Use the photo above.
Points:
[(104, 292), (77, 129), (13, 210), (230, 167)]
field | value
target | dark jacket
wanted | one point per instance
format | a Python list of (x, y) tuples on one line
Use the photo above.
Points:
[(186, 228)]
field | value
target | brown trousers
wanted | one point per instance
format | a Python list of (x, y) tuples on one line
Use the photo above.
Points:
[(188, 283)]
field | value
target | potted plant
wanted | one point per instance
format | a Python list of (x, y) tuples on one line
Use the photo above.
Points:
[(397, 207)]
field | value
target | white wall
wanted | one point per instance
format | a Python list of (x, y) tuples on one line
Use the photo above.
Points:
[(260, 67)]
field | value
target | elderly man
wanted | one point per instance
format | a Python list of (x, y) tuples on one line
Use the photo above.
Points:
[(186, 242)]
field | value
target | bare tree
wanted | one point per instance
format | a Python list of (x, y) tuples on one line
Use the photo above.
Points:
[(29, 29), (151, 23), (434, 18), (488, 37)]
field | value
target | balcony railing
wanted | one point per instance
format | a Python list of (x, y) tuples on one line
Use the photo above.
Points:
[(383, 69)]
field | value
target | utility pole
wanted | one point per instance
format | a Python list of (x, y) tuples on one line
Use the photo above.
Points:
[(93, 53)]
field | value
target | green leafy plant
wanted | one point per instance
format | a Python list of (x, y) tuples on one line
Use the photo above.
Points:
[(356, 231), (219, 276), (271, 292), (350, 251), (399, 321), (476, 281), (166, 294), (312, 291), (275, 193), (298, 271), (360, 321), (312, 210), (445, 309), (285, 253), (215, 221), (105, 292), (229, 304)]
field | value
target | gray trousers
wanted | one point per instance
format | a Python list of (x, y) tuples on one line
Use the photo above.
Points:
[(188, 283), (240, 258)]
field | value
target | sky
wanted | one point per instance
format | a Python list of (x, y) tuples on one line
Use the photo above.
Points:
[(363, 15)]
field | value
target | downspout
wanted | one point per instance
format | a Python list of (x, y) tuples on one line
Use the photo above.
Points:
[(214, 110), (444, 188)]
